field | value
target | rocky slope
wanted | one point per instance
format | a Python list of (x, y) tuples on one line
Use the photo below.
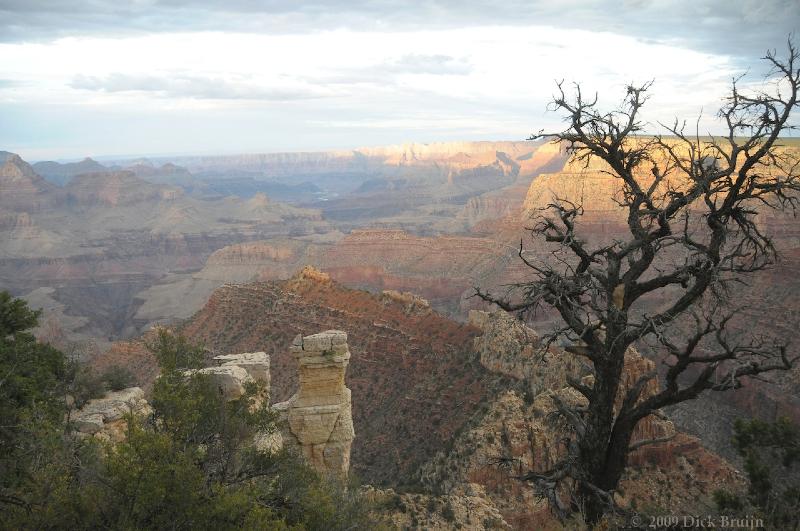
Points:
[(520, 432), (404, 357)]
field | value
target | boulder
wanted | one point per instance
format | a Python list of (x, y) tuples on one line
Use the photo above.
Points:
[(255, 363), (229, 379), (104, 418)]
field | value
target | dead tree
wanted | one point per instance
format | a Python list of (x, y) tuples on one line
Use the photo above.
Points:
[(690, 206)]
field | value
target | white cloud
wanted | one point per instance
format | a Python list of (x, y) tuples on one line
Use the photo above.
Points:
[(181, 86), (340, 85)]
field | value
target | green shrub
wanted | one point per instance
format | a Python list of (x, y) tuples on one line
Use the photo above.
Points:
[(448, 513), (118, 378), (85, 384)]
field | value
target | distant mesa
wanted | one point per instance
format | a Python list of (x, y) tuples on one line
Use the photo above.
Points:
[(61, 174), (116, 188), (21, 189)]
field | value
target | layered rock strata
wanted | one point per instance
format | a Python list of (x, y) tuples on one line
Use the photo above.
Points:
[(318, 418)]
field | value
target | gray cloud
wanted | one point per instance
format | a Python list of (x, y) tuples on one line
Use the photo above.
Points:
[(741, 28), (183, 86)]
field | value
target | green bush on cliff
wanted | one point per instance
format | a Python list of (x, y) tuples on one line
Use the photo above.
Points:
[(118, 378)]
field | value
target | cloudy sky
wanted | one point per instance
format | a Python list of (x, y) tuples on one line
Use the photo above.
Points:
[(148, 77)]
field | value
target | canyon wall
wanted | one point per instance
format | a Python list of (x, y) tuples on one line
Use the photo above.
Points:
[(122, 252), (105, 236)]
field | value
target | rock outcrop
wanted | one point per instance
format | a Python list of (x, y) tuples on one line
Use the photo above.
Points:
[(515, 436), (518, 433), (230, 380), (318, 418), (412, 303), (236, 371), (104, 418), (507, 346), (256, 364)]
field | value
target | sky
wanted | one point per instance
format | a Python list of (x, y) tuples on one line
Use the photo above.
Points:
[(108, 78)]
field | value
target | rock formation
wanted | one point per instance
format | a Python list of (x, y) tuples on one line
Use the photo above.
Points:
[(104, 418), (236, 371), (255, 363), (507, 346), (318, 418), (413, 303)]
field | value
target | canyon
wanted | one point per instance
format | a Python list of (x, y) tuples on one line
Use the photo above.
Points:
[(397, 239), (108, 250)]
